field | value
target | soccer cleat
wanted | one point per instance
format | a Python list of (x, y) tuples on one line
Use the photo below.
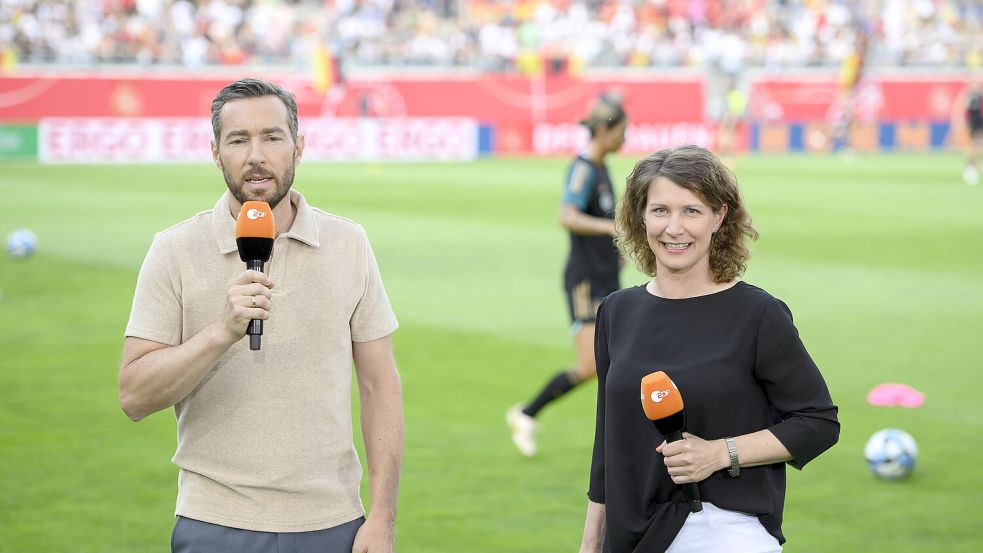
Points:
[(523, 430)]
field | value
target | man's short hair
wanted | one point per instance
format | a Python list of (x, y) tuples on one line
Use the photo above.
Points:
[(253, 88)]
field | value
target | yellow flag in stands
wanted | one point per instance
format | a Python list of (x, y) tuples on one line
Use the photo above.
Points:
[(8, 61), (530, 63), (323, 69)]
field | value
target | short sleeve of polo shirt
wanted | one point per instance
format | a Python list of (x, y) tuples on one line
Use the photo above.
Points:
[(579, 185), (156, 311), (373, 317)]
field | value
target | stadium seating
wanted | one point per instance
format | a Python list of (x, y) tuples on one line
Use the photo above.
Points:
[(488, 35)]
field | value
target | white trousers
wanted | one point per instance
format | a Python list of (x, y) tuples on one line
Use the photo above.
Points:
[(714, 530)]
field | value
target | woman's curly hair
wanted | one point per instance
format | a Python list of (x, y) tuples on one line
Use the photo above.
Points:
[(702, 173)]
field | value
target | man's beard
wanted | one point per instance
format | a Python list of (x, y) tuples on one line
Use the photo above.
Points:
[(273, 197)]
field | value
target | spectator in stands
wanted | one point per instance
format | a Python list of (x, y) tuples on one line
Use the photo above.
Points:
[(482, 33)]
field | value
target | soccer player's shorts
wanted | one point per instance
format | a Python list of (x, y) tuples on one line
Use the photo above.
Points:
[(976, 131), (583, 298)]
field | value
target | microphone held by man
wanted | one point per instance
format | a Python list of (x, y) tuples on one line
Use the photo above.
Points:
[(255, 231)]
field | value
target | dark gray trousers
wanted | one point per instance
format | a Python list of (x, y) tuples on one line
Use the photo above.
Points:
[(195, 536)]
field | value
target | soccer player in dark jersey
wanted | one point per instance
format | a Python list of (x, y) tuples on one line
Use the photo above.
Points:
[(974, 123), (591, 272)]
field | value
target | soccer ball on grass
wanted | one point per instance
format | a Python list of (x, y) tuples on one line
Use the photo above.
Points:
[(891, 454), (21, 243)]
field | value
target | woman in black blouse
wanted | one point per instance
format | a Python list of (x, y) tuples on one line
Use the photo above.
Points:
[(748, 383)]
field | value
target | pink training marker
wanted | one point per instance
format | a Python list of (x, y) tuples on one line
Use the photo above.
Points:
[(892, 395)]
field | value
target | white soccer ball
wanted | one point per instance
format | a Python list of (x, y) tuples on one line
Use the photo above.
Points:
[(971, 175), (891, 454), (21, 243)]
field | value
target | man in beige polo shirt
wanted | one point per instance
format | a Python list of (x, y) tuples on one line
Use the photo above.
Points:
[(265, 447)]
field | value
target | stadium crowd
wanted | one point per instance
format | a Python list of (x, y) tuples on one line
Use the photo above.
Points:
[(491, 35)]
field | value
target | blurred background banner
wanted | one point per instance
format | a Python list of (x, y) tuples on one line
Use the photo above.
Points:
[(490, 114), (186, 139), (748, 76)]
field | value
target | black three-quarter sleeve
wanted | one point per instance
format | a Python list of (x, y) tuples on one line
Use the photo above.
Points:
[(794, 387), (596, 490)]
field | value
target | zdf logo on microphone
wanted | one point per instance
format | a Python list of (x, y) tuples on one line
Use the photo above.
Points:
[(255, 214), (659, 395)]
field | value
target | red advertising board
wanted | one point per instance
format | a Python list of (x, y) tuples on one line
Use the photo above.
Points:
[(492, 99), (186, 139), (513, 114), (886, 98), (640, 138)]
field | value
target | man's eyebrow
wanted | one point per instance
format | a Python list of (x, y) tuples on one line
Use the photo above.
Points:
[(267, 130)]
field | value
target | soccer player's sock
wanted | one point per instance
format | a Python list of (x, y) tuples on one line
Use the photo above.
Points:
[(561, 383)]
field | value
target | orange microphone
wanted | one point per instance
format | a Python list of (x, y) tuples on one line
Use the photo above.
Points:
[(255, 231), (663, 405)]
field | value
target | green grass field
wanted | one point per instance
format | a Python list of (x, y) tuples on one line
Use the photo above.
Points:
[(880, 261)]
